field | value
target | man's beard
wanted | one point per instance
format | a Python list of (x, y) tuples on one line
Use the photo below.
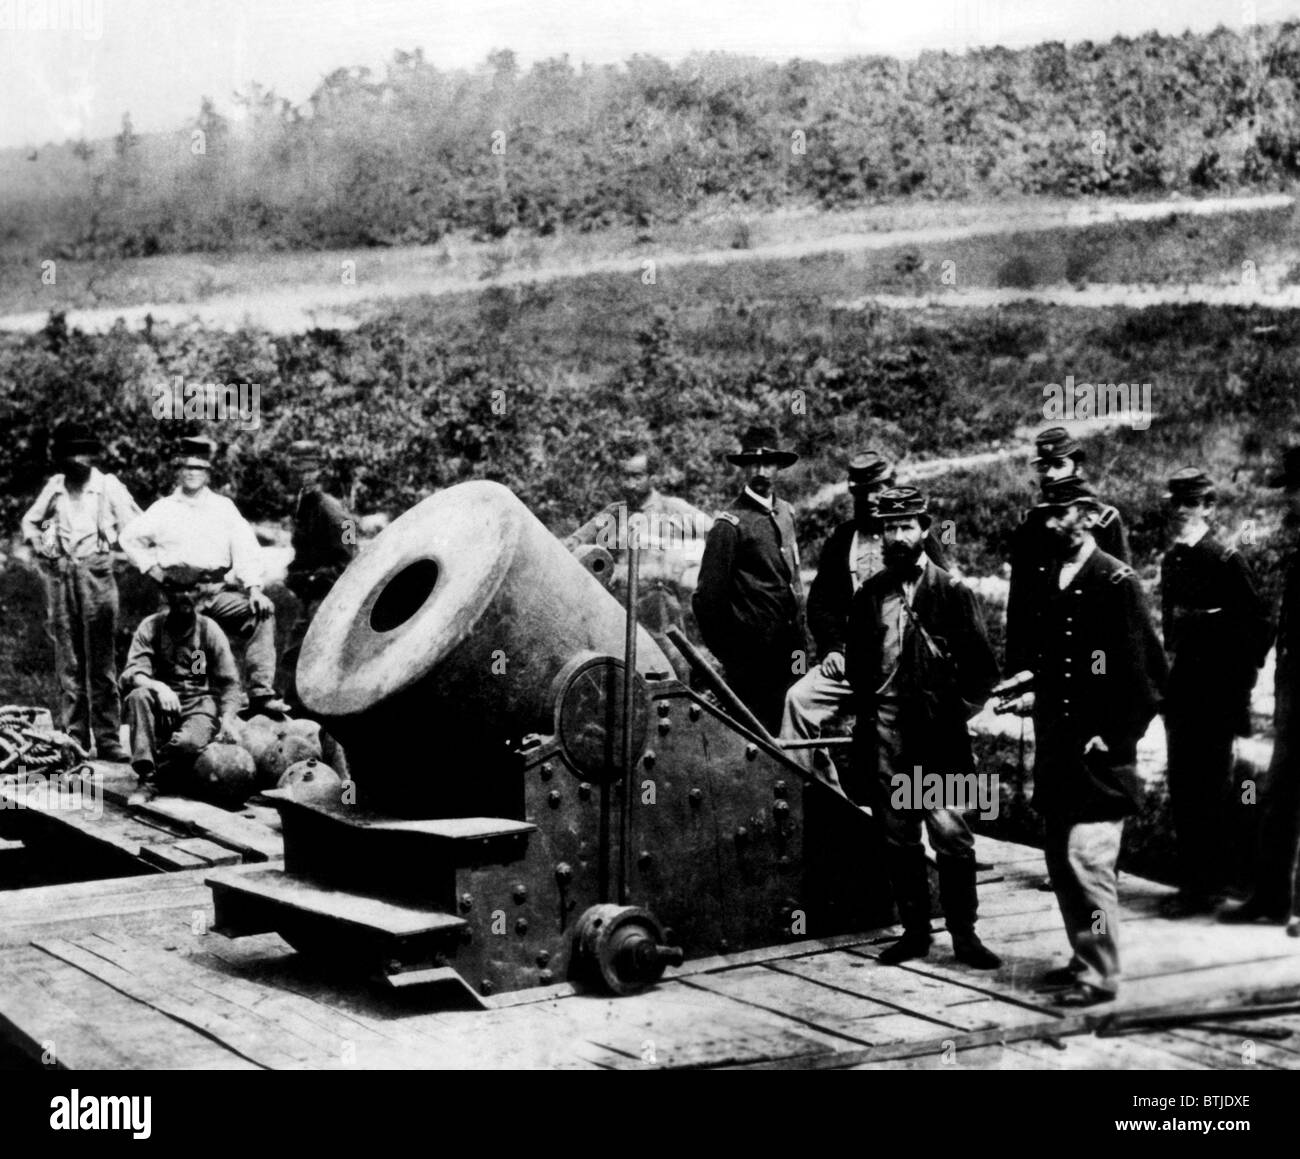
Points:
[(903, 557), (76, 473), (761, 485)]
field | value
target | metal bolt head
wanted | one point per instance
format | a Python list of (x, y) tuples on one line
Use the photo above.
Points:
[(520, 893), (466, 903), (695, 796), (742, 834), (751, 751), (486, 987), (644, 858), (665, 727), (521, 926), (648, 760), (545, 770), (584, 790), (781, 808), (543, 957), (693, 712), (664, 708), (553, 798), (545, 977), (779, 789), (564, 872)]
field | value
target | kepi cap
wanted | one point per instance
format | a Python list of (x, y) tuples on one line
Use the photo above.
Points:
[(1056, 443), (1067, 492), (1189, 483), (904, 503), (869, 467)]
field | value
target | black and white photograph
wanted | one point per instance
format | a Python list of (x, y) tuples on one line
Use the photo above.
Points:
[(557, 535)]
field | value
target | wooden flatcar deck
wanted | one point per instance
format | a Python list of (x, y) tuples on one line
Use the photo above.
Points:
[(125, 974)]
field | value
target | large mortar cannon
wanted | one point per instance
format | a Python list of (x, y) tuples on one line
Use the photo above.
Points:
[(473, 671)]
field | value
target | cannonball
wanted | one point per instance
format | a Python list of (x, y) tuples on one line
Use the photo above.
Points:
[(308, 729), (225, 773), (286, 751), (258, 736), (309, 772)]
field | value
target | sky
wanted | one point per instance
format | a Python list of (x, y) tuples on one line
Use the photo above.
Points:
[(71, 68)]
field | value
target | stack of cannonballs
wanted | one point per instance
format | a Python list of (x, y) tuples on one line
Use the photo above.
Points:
[(267, 754)]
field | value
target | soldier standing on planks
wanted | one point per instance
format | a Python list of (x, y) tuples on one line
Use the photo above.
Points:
[(1275, 891), (670, 535), (853, 553), (196, 527), (1033, 549), (1217, 634), (324, 543), (920, 665), (1099, 676), (749, 602), (72, 528)]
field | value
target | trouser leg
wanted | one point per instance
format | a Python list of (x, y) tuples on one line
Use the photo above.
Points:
[(63, 625), (904, 853), (99, 604), (234, 614), (142, 719), (761, 686), (954, 850), (1200, 783), (1279, 832), (194, 731), (1082, 862), (810, 704)]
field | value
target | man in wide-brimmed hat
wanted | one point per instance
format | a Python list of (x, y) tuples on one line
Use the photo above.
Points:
[(1274, 893), (180, 685), (196, 527), (749, 600), (852, 554), (1098, 680), (73, 527), (920, 665), (1216, 633), (1057, 455)]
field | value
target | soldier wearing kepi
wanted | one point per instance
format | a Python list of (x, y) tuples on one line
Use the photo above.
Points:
[(853, 553), (1033, 558), (670, 537), (920, 664), (1217, 634), (324, 542), (749, 602), (1099, 676), (72, 528), (181, 687), (197, 528), (1275, 891)]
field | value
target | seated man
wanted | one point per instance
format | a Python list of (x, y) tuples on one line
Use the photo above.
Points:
[(180, 687), (197, 528)]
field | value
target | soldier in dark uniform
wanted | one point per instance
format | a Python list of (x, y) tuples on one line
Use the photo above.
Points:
[(1275, 891), (324, 543), (1216, 634), (1033, 549), (920, 666), (1099, 676), (749, 600), (853, 553)]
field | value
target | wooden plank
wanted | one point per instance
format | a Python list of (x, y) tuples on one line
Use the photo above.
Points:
[(168, 857), (247, 1035), (209, 851), (46, 1004), (253, 841)]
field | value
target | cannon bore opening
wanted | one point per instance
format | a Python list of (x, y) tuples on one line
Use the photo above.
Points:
[(405, 595)]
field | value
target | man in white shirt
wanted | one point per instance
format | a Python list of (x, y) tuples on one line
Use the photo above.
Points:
[(196, 528), (72, 528)]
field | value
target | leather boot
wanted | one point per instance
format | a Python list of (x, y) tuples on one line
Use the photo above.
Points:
[(910, 880), (960, 904)]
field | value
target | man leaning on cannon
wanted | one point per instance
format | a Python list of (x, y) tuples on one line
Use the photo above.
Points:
[(180, 686)]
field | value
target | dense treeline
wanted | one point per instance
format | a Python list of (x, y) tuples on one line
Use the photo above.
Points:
[(409, 155)]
